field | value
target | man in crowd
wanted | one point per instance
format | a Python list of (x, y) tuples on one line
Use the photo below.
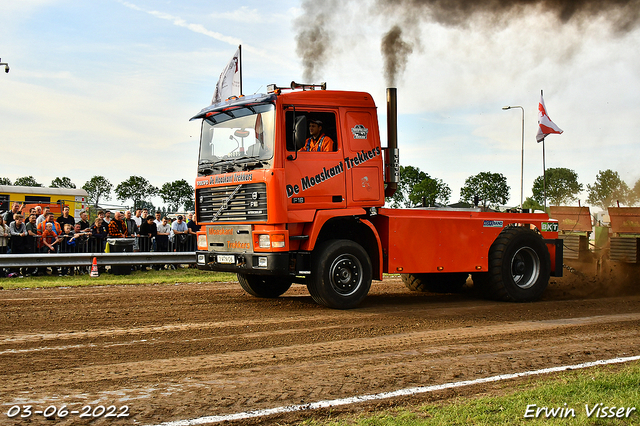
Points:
[(148, 231), (31, 240), (162, 237), (107, 217), (179, 234), (9, 216), (138, 218), (43, 216), (117, 227), (158, 219), (132, 227), (192, 229), (85, 226), (66, 218), (18, 232), (49, 218)]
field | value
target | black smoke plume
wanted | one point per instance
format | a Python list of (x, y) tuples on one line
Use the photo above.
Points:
[(395, 52), (319, 27)]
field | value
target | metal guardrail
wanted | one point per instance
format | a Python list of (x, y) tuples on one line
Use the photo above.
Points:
[(86, 259)]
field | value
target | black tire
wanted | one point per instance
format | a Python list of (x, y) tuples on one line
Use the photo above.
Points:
[(451, 282), (341, 274), (519, 266), (264, 286)]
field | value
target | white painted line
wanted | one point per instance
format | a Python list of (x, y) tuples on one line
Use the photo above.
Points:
[(385, 395)]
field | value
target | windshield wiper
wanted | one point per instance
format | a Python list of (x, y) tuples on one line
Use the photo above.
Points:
[(250, 163), (207, 166)]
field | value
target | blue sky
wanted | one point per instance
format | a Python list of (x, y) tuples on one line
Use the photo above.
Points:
[(107, 87)]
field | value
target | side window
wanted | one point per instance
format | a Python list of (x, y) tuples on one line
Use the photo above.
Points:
[(323, 124)]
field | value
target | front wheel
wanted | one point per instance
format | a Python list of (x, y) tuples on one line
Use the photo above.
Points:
[(341, 274), (264, 286), (519, 266)]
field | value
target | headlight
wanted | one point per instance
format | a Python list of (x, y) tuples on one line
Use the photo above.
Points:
[(202, 242), (264, 241)]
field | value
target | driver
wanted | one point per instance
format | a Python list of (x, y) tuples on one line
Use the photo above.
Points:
[(318, 142)]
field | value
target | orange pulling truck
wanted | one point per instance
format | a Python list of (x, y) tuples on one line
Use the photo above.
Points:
[(277, 214)]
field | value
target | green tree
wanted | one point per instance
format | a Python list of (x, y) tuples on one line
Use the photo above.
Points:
[(27, 181), (144, 204), (634, 194), (409, 177), (63, 182), (98, 187), (5, 181), (136, 188), (432, 189), (415, 184), (491, 189), (562, 187), (530, 203), (177, 193), (607, 189)]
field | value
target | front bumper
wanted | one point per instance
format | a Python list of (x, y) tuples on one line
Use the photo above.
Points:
[(254, 263)]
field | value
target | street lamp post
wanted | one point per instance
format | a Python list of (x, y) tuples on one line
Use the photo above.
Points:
[(6, 66), (522, 156)]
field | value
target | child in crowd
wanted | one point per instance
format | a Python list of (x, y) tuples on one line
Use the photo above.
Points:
[(49, 238)]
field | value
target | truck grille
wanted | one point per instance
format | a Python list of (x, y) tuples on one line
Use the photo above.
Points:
[(221, 204)]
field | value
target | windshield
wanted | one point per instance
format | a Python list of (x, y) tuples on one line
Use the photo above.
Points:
[(236, 139)]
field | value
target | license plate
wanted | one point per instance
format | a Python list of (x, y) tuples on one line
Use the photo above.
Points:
[(226, 258)]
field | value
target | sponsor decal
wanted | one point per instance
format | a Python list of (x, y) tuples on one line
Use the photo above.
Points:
[(311, 181), (549, 227), (365, 183), (359, 131), (493, 224), (219, 231), (226, 178), (325, 174), (362, 157), (238, 245)]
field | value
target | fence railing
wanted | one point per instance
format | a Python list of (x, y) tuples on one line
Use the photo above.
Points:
[(38, 251)]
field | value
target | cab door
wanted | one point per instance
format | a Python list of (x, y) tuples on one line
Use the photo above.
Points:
[(362, 158), (314, 180)]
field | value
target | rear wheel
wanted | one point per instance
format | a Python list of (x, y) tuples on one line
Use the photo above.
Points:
[(341, 274), (264, 286), (451, 282), (519, 266)]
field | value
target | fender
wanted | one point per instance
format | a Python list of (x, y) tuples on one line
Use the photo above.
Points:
[(322, 216), (378, 242)]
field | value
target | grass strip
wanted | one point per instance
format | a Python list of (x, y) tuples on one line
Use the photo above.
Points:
[(181, 275), (576, 398)]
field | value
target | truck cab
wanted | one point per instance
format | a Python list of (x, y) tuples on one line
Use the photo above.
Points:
[(275, 213)]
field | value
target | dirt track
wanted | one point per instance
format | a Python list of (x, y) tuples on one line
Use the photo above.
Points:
[(173, 352)]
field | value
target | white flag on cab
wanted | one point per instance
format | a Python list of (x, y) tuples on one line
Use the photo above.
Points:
[(229, 82), (545, 125)]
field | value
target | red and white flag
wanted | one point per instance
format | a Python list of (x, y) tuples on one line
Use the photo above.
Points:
[(545, 125), (229, 83)]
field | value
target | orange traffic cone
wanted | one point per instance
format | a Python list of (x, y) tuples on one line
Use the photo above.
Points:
[(94, 268)]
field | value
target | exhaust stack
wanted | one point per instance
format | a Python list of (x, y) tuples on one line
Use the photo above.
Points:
[(392, 159)]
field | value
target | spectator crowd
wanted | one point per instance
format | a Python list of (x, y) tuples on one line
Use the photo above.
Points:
[(40, 232)]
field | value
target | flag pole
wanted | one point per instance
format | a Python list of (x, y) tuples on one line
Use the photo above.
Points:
[(544, 171), (544, 178), (240, 59)]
